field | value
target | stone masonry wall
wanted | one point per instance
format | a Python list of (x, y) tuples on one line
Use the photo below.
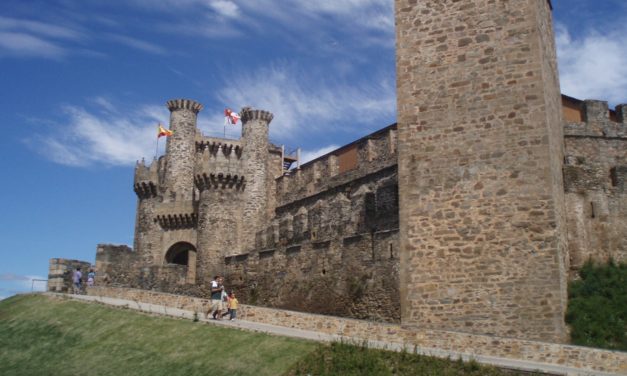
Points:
[(594, 177), (471, 344), (335, 253), (479, 184), (255, 129), (180, 149), (60, 272)]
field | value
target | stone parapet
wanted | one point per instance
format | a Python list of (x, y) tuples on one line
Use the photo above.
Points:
[(178, 104), (248, 114), (585, 360), (219, 181), (365, 156)]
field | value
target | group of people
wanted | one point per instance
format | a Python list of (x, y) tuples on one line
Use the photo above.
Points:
[(77, 279), (222, 304), (221, 300)]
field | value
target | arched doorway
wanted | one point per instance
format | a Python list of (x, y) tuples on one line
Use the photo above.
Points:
[(183, 253)]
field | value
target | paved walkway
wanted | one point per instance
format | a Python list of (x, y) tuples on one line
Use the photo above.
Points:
[(512, 364)]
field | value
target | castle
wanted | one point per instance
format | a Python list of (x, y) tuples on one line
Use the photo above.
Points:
[(470, 214)]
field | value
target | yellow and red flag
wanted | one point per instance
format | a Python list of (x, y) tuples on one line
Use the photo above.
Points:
[(163, 132)]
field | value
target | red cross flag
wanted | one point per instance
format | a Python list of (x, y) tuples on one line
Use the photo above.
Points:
[(230, 117)]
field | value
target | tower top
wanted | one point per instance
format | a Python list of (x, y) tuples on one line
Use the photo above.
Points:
[(178, 104), (248, 113)]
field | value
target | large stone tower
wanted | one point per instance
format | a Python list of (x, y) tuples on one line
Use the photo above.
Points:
[(480, 168)]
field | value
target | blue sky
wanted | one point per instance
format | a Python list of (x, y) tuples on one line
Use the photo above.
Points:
[(84, 83)]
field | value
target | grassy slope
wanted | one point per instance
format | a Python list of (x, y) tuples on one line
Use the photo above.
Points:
[(45, 336), (39, 336)]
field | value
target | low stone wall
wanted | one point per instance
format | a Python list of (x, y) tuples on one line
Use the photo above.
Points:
[(478, 345)]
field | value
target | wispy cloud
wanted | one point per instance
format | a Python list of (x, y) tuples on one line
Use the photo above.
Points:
[(103, 137), (136, 43), (39, 28), (13, 277), (310, 155), (593, 66), (28, 38), (14, 283), (305, 103), (225, 8), (24, 45)]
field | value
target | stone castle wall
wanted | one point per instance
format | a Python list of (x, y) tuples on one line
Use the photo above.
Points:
[(60, 272), (595, 172), (482, 231), (479, 139)]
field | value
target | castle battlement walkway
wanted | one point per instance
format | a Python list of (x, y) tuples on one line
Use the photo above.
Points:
[(502, 352)]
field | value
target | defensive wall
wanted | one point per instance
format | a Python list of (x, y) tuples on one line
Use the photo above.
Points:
[(468, 215), (595, 172)]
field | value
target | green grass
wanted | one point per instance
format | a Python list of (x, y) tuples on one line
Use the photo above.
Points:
[(44, 336), (47, 336), (350, 360), (597, 307)]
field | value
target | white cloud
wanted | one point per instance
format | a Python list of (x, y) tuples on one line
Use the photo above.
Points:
[(28, 38), (310, 155), (137, 43), (225, 8), (20, 44), (13, 277), (305, 103), (40, 28), (106, 138), (593, 66)]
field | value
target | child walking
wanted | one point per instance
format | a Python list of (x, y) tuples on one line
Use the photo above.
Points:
[(233, 303)]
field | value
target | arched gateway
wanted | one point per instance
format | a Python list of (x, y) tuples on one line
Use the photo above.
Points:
[(183, 253)]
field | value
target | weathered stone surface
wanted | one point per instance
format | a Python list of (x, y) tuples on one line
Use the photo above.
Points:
[(480, 153)]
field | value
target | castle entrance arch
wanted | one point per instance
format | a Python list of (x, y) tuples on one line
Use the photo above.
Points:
[(183, 253)]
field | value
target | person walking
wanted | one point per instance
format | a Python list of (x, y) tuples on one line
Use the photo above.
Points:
[(76, 279)]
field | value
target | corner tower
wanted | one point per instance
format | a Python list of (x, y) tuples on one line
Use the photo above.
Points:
[(480, 168), (179, 174)]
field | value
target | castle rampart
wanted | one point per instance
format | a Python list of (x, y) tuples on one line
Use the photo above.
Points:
[(466, 216), (594, 172)]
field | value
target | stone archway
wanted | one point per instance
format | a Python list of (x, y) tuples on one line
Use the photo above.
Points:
[(183, 253)]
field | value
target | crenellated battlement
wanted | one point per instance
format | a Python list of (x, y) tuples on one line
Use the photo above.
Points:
[(189, 104), (144, 173), (145, 189), (219, 181), (369, 154), (247, 114), (177, 221), (146, 179), (593, 118), (215, 146)]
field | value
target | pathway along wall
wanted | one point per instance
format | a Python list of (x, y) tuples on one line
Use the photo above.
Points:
[(588, 360)]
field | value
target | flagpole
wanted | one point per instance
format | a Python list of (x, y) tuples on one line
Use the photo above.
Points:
[(157, 148)]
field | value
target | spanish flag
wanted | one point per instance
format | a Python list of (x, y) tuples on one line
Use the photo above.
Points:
[(163, 132)]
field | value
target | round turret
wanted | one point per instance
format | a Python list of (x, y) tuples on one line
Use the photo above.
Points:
[(180, 147), (255, 128)]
